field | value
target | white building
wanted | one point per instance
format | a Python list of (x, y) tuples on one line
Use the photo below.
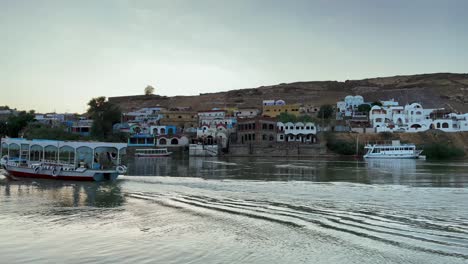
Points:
[(296, 132), (349, 105), (247, 113), (390, 117)]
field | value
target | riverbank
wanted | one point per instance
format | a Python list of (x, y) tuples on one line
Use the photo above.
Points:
[(424, 140), (338, 144)]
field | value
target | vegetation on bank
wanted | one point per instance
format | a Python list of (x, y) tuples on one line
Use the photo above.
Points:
[(104, 115), (341, 146), (440, 146), (16, 123), (442, 151)]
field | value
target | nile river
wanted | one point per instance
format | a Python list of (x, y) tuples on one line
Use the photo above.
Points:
[(240, 210)]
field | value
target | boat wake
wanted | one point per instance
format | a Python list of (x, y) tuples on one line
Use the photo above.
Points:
[(373, 227)]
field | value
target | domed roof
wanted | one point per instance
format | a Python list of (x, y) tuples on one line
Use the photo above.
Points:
[(280, 102)]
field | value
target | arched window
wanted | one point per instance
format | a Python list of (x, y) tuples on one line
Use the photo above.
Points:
[(174, 141), (67, 155), (438, 125), (445, 125), (35, 154), (162, 141), (163, 131), (50, 153), (14, 150), (4, 149), (155, 131), (84, 156)]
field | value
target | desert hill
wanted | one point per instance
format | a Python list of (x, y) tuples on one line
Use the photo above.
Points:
[(447, 90)]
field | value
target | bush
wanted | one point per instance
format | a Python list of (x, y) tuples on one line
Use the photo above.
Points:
[(341, 146), (441, 151)]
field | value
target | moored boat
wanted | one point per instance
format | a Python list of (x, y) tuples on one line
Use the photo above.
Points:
[(62, 160), (152, 153), (393, 150)]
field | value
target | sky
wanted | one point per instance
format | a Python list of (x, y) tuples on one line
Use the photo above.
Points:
[(57, 55)]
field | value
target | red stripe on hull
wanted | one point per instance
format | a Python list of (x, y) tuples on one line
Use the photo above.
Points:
[(45, 176)]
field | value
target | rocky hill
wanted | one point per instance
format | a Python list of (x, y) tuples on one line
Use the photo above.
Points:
[(446, 90)]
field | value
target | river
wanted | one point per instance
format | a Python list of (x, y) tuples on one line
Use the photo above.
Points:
[(243, 210)]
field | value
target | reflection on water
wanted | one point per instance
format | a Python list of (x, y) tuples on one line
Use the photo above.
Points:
[(373, 171), (64, 194), (243, 210)]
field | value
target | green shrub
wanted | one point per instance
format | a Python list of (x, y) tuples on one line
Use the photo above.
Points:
[(341, 146), (441, 151)]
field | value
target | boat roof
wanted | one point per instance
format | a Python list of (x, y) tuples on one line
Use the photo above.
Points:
[(58, 143)]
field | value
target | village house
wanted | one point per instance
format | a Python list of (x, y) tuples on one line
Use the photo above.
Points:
[(256, 130), (185, 121), (272, 108), (215, 127), (347, 107), (391, 117), (297, 132), (246, 112), (147, 114)]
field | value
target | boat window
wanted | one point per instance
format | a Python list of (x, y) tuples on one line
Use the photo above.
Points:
[(162, 141), (35, 153), (123, 155), (4, 149), (50, 153), (67, 155), (84, 156), (174, 141), (105, 157), (14, 150)]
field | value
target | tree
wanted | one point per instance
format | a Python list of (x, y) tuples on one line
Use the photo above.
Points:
[(285, 117), (364, 108), (16, 123), (42, 131), (325, 111), (104, 115), (149, 90), (3, 128)]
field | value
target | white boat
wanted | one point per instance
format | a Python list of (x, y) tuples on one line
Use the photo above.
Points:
[(62, 160), (152, 153), (393, 150)]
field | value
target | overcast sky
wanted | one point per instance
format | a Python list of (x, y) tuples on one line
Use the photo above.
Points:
[(57, 55)]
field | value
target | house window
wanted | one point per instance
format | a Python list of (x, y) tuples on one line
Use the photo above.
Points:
[(281, 137)]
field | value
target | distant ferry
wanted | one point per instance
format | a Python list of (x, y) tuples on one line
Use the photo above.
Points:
[(62, 160), (395, 150), (152, 153)]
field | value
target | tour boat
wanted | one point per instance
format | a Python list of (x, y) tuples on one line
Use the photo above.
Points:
[(395, 150), (62, 160), (152, 153)]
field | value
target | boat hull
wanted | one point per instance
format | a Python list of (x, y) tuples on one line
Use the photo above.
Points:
[(86, 175), (152, 155), (391, 157)]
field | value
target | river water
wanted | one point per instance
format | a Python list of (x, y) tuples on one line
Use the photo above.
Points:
[(241, 210)]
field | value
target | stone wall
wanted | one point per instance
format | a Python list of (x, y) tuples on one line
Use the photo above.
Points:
[(278, 150)]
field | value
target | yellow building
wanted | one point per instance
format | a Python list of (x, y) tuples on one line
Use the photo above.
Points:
[(180, 119), (276, 110)]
